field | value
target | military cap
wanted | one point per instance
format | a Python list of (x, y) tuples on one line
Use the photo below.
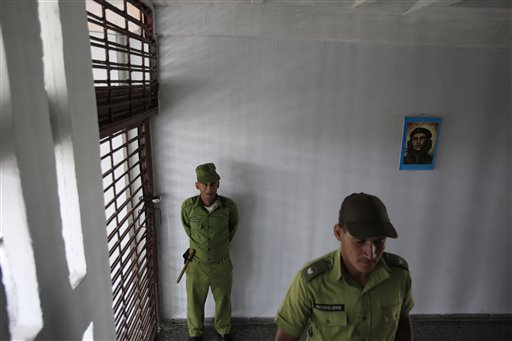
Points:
[(365, 216), (206, 173), (421, 130)]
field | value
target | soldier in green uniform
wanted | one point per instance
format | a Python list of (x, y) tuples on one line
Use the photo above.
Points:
[(358, 292), (210, 221)]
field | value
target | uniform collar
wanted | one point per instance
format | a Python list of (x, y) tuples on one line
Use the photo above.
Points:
[(378, 275), (219, 202), (338, 271)]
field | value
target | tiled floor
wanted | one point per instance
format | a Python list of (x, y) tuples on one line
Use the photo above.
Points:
[(240, 332), (425, 328)]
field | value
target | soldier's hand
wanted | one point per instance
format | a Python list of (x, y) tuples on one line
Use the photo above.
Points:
[(185, 255)]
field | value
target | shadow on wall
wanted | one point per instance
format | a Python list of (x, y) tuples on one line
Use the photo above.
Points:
[(4, 319), (244, 177)]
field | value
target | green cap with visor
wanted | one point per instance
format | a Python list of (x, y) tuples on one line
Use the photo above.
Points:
[(365, 216), (206, 173)]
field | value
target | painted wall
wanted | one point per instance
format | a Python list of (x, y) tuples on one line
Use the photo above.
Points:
[(43, 117), (294, 124)]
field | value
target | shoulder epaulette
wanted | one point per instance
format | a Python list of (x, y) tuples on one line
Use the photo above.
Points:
[(190, 201), (314, 269), (224, 201), (395, 260)]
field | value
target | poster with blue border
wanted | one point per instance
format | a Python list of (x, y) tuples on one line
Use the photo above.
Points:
[(419, 142)]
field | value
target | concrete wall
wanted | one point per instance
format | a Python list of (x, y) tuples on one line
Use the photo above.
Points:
[(44, 116), (298, 116)]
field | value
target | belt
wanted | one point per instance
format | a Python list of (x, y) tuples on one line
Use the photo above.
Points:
[(209, 262)]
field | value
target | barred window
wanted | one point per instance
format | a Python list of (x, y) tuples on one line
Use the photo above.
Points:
[(124, 61)]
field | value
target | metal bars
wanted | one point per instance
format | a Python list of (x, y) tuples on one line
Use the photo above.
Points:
[(130, 232), (124, 58), (124, 62)]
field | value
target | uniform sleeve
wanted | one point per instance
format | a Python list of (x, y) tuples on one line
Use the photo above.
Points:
[(233, 221), (185, 219), (408, 302), (295, 311)]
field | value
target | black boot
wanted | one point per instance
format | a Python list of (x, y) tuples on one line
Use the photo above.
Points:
[(226, 337), (196, 338)]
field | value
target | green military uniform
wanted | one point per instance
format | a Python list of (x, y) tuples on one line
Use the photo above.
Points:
[(324, 296), (210, 234)]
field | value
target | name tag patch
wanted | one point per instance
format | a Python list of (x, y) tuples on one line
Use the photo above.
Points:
[(330, 307), (195, 219)]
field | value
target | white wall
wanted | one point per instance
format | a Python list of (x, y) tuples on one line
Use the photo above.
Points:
[(294, 125), (39, 115)]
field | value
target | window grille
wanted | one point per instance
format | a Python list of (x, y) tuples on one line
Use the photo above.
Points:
[(124, 57), (124, 61), (130, 233)]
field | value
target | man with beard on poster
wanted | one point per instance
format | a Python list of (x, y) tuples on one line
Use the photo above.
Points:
[(418, 146)]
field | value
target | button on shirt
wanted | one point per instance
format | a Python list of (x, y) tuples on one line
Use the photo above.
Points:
[(210, 232), (337, 308)]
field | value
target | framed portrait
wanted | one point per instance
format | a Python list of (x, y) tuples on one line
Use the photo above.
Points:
[(419, 143)]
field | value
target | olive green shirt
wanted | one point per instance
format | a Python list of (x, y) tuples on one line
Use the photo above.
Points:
[(210, 233), (337, 308)]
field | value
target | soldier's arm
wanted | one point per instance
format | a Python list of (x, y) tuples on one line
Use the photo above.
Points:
[(233, 222), (404, 330), (295, 311), (281, 335), (185, 220)]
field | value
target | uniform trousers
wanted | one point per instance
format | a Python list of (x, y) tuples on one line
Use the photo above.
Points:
[(201, 276)]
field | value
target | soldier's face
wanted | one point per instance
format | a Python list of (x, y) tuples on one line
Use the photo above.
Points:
[(360, 255), (208, 192), (418, 141)]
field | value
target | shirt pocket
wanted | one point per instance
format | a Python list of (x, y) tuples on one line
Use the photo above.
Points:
[(197, 229), (328, 325), (219, 224), (390, 317), (392, 312)]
